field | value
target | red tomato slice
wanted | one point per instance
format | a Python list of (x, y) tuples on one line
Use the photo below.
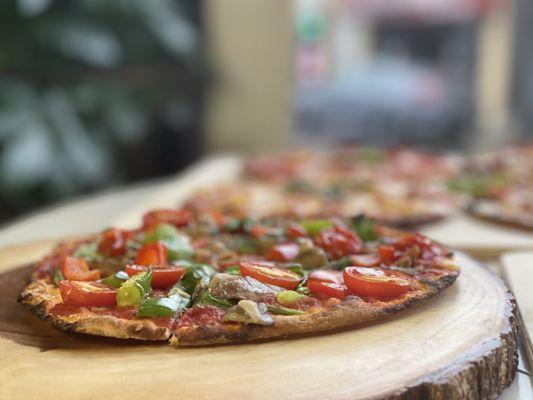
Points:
[(373, 282), (295, 231), (85, 294), (283, 252), (339, 241), (327, 284), (152, 254), (366, 260), (76, 269), (387, 254), (113, 242), (327, 289), (178, 218), (161, 277), (271, 275)]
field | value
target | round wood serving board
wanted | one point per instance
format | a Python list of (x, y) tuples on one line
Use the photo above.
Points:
[(459, 345)]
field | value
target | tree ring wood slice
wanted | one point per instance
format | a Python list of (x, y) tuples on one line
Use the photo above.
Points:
[(462, 344)]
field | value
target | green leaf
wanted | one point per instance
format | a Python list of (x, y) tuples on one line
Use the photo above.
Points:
[(284, 310), (365, 228), (195, 274), (177, 244), (89, 252), (233, 270), (210, 300), (58, 277), (315, 226), (117, 279)]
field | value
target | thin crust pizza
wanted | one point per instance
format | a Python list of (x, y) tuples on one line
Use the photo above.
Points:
[(212, 278)]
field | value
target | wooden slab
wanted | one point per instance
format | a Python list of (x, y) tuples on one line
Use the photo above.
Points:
[(459, 345), (518, 271)]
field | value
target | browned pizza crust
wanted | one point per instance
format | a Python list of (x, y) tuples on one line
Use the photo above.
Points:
[(40, 297), (493, 211), (353, 311)]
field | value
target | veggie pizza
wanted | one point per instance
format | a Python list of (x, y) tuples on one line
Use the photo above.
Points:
[(397, 187), (208, 278)]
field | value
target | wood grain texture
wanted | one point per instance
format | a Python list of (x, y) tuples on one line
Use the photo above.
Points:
[(517, 269), (459, 345)]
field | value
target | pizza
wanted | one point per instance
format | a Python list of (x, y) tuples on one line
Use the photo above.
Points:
[(202, 279), (397, 187), (498, 186)]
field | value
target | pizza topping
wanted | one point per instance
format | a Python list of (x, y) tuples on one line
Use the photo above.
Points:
[(76, 269), (294, 231), (327, 284), (281, 277), (315, 226), (241, 288), (162, 276), (152, 254), (288, 297), (209, 299), (365, 228), (248, 312), (113, 242), (378, 283), (157, 307), (86, 294), (116, 279), (196, 275), (310, 256), (178, 245), (177, 218), (339, 241), (284, 310), (135, 290), (283, 252)]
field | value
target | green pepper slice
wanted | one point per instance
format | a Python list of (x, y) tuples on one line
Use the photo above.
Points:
[(284, 310), (117, 279), (135, 289), (158, 307), (177, 244), (314, 226)]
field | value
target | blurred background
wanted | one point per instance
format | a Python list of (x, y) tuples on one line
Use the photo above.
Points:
[(97, 94)]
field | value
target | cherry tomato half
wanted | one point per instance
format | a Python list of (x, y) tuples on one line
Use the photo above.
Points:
[(295, 231), (76, 269), (154, 253), (339, 241), (387, 254), (272, 275), (365, 260), (178, 218), (372, 282), (113, 242), (86, 294), (161, 277), (283, 252), (327, 284)]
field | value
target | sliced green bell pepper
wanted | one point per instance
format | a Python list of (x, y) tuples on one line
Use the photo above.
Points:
[(135, 289)]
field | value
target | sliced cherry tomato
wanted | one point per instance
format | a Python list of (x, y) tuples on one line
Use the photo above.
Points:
[(295, 231), (257, 231), (428, 248), (366, 260), (76, 269), (327, 284), (154, 253), (113, 242), (161, 277), (339, 241), (283, 252), (86, 294), (387, 254), (373, 282), (272, 275), (178, 218)]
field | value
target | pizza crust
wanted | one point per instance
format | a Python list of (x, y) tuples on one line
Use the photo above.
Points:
[(40, 297), (349, 313), (493, 211)]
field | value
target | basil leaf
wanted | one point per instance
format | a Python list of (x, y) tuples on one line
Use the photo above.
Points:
[(365, 228), (284, 310), (210, 300), (195, 274)]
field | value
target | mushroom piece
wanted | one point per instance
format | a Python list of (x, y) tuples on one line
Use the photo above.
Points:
[(241, 288), (248, 312)]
